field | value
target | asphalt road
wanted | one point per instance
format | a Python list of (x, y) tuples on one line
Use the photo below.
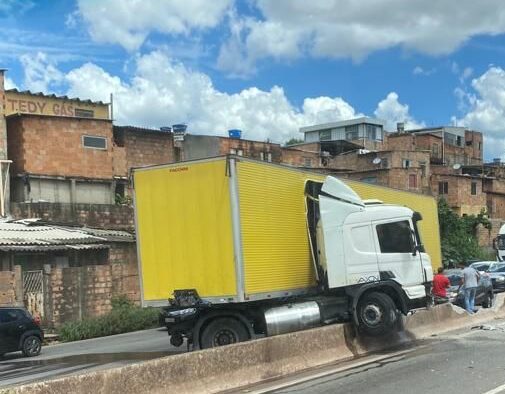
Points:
[(465, 362), (92, 354)]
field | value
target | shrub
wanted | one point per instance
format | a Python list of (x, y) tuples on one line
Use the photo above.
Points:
[(124, 317)]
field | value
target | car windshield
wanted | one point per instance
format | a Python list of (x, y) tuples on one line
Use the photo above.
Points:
[(455, 279), (498, 268)]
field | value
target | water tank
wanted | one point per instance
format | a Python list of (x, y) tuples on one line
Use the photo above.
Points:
[(235, 133)]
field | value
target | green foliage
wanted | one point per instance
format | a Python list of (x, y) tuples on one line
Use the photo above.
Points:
[(458, 235), (121, 301), (124, 200), (293, 141), (124, 317)]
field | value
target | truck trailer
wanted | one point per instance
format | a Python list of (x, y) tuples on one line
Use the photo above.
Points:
[(235, 248)]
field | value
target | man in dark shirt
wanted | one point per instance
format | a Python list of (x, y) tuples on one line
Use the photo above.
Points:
[(440, 284)]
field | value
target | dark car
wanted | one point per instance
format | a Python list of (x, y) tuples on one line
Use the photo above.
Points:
[(497, 275), (484, 295), (19, 331)]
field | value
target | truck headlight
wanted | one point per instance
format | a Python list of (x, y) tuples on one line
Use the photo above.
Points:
[(182, 312)]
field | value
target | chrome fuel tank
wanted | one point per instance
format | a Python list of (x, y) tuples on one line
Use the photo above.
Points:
[(293, 317)]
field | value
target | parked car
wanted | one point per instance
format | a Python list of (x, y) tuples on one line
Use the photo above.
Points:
[(455, 293), (497, 275), (19, 331), (484, 266)]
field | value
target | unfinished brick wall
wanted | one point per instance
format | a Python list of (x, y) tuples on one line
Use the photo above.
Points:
[(485, 236), (80, 292), (147, 148), (306, 155), (93, 215), (11, 292), (51, 145), (459, 195), (253, 149)]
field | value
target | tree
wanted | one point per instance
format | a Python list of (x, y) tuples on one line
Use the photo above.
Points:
[(458, 235), (293, 141)]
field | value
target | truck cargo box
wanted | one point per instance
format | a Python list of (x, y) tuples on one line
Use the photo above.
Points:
[(235, 229)]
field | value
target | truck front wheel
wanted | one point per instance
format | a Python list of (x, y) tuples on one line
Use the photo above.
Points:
[(223, 331), (376, 314)]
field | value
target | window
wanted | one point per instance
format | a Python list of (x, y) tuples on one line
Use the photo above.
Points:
[(384, 162), (262, 156), (240, 152), (325, 135), (269, 157), (458, 140), (412, 181), (10, 315), (307, 162), (422, 166), (93, 142), (406, 163), (474, 188), (84, 113), (371, 133), (443, 188), (233, 151), (351, 132), (395, 237), (435, 149), (480, 146)]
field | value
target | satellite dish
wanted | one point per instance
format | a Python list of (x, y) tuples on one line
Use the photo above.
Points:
[(456, 166), (377, 160)]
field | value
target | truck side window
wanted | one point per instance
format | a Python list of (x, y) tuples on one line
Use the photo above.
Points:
[(395, 237)]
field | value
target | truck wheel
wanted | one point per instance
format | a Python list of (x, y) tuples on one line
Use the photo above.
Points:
[(376, 314), (223, 331)]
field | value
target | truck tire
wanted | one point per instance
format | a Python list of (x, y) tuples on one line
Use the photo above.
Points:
[(223, 331), (376, 314)]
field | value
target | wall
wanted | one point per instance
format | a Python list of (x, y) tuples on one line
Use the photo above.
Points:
[(11, 292), (252, 149), (3, 125), (93, 215), (141, 147), (82, 292), (459, 195), (200, 146), (485, 236), (301, 155), (49, 145)]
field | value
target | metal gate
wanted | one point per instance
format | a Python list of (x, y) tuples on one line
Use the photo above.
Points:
[(33, 292)]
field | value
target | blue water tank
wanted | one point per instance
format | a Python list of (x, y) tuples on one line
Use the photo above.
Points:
[(235, 133)]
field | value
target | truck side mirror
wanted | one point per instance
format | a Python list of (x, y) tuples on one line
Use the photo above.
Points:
[(417, 248)]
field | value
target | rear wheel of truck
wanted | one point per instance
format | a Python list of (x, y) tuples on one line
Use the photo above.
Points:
[(223, 331), (376, 314)]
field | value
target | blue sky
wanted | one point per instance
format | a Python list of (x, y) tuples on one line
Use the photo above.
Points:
[(267, 66)]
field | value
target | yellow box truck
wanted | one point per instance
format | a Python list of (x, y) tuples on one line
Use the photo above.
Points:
[(234, 247)]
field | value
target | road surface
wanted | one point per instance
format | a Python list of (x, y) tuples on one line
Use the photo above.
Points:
[(92, 354), (470, 361)]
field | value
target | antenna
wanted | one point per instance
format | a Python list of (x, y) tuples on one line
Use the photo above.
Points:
[(456, 166), (377, 160)]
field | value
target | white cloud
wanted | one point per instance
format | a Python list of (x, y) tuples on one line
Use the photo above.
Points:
[(354, 29), (9, 83), (129, 22), (163, 92), (486, 110), (418, 70), (40, 72), (392, 111)]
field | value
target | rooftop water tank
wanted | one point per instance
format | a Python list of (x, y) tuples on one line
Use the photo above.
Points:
[(235, 133)]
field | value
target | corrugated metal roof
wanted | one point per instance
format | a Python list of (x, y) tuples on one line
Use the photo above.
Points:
[(54, 96), (50, 248)]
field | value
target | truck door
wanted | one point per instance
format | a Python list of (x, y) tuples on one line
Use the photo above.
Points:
[(395, 246)]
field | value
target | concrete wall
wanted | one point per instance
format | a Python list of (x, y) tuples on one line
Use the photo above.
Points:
[(94, 215), (200, 146)]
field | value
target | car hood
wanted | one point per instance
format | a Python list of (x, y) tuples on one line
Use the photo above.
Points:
[(495, 274)]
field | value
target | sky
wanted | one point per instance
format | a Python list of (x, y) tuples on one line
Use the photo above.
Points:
[(267, 67)]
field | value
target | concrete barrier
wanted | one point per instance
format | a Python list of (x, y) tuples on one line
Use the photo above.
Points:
[(229, 367)]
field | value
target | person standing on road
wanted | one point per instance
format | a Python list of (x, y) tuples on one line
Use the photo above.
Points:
[(470, 282), (440, 284)]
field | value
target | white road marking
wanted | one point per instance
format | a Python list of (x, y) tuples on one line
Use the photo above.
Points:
[(496, 390)]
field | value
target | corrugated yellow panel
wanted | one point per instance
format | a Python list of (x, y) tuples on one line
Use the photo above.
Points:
[(184, 229), (426, 205), (275, 243)]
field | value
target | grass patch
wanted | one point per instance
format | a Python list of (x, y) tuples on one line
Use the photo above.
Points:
[(124, 317)]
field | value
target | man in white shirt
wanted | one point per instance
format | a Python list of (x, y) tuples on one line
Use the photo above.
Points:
[(470, 282)]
